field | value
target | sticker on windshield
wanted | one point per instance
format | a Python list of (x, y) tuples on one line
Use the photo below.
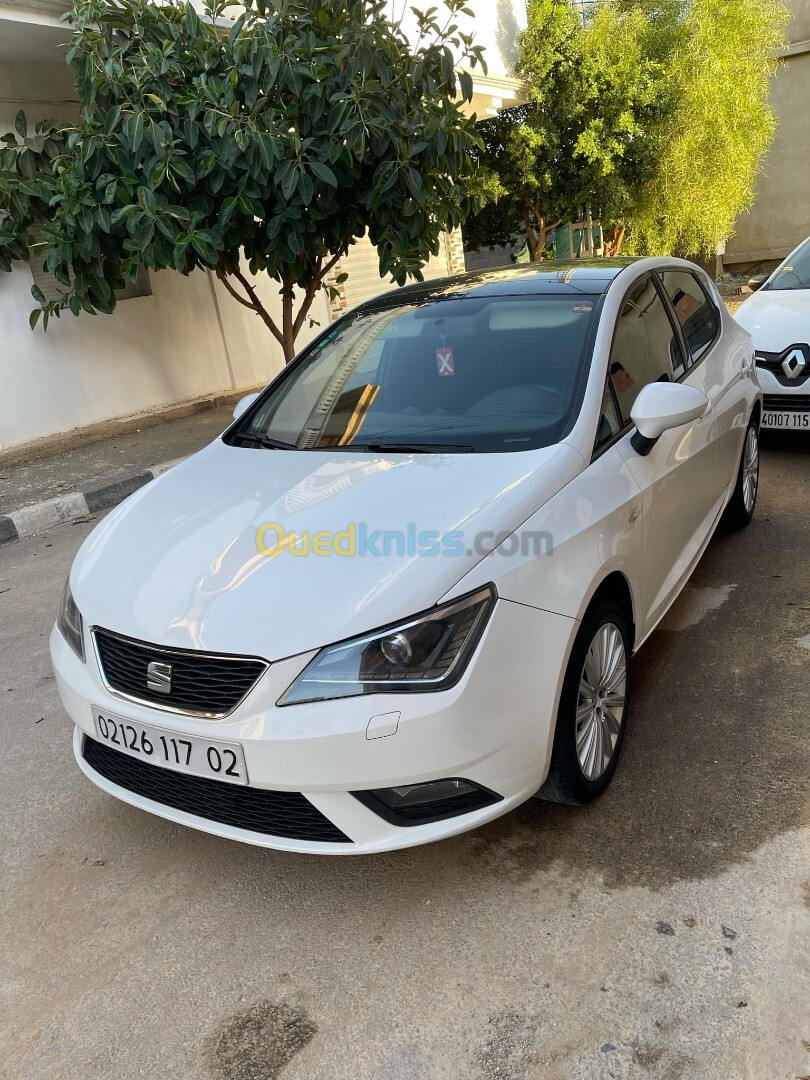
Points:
[(444, 362), (579, 308)]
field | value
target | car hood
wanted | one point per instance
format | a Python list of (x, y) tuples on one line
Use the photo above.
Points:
[(776, 319), (178, 563)]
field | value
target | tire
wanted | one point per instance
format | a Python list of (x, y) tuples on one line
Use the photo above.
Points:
[(570, 779), (743, 501)]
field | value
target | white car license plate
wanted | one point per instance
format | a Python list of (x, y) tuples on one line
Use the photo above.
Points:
[(210, 758), (787, 421)]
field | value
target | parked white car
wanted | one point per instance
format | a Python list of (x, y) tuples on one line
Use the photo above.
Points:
[(401, 593), (778, 319)]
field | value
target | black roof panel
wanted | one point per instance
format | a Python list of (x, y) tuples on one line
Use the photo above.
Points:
[(592, 276)]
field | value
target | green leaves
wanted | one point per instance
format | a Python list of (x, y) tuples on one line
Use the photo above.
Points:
[(277, 140), (133, 131), (323, 172)]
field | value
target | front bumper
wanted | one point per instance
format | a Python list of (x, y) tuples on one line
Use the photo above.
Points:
[(494, 728), (789, 400)]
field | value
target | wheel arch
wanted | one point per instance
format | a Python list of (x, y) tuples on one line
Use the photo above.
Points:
[(616, 587)]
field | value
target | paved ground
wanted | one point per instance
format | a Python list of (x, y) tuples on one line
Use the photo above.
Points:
[(662, 932), (107, 460)]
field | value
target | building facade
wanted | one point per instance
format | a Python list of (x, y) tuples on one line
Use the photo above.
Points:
[(174, 339)]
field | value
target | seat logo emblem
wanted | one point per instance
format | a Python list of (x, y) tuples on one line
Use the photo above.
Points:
[(793, 364), (159, 677)]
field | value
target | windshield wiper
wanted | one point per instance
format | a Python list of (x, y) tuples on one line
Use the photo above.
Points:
[(414, 448), (266, 442)]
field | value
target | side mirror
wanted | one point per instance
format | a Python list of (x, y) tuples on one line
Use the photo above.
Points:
[(661, 406), (243, 404), (757, 281)]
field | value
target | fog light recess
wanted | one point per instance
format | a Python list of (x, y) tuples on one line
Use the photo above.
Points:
[(420, 804)]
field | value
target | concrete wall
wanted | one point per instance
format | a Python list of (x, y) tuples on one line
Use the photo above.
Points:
[(780, 216), (155, 351)]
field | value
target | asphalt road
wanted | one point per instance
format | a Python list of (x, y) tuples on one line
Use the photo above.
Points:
[(662, 932)]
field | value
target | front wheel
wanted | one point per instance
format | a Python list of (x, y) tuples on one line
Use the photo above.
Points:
[(593, 708), (741, 505)]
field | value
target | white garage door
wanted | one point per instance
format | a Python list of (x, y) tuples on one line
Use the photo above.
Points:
[(362, 264)]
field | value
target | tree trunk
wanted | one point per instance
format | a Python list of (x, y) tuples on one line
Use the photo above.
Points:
[(538, 232), (535, 247), (291, 323), (614, 238), (288, 331)]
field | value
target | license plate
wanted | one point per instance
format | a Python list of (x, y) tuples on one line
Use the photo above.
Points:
[(210, 758), (787, 421)]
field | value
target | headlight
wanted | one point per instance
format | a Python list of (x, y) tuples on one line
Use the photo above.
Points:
[(428, 652), (69, 622)]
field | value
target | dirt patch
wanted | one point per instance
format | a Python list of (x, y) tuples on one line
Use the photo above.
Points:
[(257, 1043), (733, 302), (510, 1049)]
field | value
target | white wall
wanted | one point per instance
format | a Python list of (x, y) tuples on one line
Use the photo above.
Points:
[(155, 351)]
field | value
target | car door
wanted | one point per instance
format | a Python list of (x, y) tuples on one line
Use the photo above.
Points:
[(678, 478), (715, 366)]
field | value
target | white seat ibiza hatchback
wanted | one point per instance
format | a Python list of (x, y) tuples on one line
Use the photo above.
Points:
[(401, 593)]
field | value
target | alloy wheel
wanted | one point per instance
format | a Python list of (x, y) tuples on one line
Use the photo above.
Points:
[(750, 472), (600, 706)]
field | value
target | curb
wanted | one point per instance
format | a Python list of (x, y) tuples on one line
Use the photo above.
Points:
[(66, 509)]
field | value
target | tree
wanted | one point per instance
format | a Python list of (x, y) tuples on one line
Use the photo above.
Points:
[(653, 112), (719, 60), (579, 140), (272, 144)]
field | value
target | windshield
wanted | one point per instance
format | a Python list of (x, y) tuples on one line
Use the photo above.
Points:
[(457, 375), (794, 273)]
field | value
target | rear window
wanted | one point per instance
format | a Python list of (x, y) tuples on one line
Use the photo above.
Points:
[(699, 319), (476, 375)]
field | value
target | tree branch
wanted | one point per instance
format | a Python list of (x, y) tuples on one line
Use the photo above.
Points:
[(257, 305), (312, 288), (223, 277)]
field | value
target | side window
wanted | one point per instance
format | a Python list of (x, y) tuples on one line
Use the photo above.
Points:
[(696, 313), (609, 422), (645, 346)]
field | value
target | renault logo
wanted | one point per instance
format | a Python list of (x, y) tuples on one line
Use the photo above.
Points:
[(159, 677), (793, 364)]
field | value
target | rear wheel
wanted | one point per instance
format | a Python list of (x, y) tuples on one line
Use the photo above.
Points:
[(593, 707), (740, 508)]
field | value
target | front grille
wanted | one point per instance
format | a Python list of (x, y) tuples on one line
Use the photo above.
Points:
[(285, 814), (786, 402), (202, 684), (773, 362)]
